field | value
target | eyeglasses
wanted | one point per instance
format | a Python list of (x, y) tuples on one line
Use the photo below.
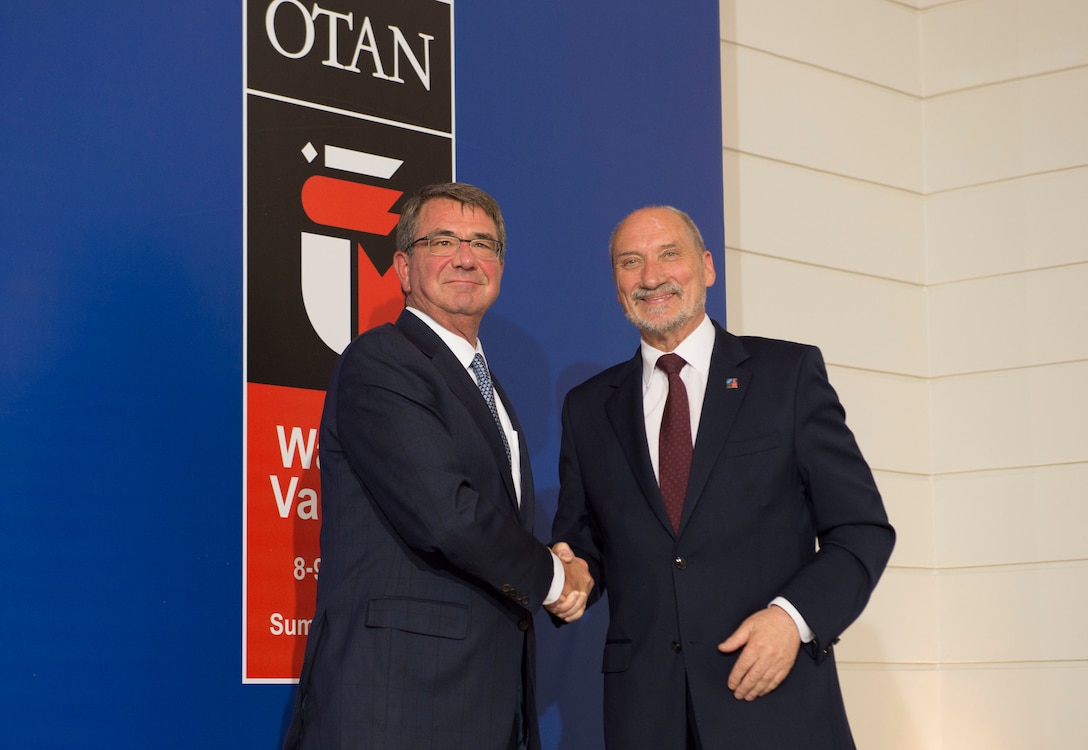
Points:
[(444, 245)]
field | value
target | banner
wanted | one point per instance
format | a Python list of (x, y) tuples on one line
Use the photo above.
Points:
[(348, 108)]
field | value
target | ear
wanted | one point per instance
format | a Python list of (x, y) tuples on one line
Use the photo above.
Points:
[(708, 268), (400, 265)]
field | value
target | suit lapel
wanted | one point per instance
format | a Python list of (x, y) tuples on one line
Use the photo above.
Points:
[(463, 386), (726, 387), (528, 496), (626, 414)]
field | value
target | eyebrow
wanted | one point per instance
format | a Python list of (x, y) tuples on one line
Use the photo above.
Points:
[(451, 233), (663, 246)]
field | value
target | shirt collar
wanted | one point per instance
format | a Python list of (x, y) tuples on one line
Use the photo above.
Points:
[(695, 349), (462, 350)]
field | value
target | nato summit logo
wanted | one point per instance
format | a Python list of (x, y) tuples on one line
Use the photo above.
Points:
[(336, 307), (348, 108)]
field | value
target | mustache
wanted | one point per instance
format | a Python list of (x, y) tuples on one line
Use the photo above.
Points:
[(669, 287)]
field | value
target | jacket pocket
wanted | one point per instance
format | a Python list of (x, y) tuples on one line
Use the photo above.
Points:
[(753, 445), (617, 656), (423, 616)]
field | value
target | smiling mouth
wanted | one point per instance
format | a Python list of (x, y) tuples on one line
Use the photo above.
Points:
[(658, 295), (655, 299)]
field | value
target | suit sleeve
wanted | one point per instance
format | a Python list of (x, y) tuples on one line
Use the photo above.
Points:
[(855, 538), (411, 444), (574, 523)]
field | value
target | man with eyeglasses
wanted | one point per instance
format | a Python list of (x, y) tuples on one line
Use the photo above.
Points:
[(423, 634)]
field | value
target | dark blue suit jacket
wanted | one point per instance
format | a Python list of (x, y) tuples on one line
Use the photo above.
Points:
[(423, 634), (775, 469)]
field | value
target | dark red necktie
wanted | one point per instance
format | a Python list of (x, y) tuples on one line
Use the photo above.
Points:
[(674, 449)]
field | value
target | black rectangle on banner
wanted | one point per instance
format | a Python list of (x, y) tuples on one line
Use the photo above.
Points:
[(388, 60), (289, 178)]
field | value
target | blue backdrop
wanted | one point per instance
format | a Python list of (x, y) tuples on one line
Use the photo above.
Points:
[(121, 326)]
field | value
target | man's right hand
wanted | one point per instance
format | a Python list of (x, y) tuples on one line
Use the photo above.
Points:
[(571, 604)]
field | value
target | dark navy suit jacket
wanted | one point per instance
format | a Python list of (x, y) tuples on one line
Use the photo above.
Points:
[(423, 634), (775, 469)]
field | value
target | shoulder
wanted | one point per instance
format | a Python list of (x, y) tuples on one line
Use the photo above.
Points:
[(383, 356), (759, 346), (776, 358), (373, 343), (609, 378)]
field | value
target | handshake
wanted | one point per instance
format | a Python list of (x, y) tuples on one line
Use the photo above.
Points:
[(571, 604)]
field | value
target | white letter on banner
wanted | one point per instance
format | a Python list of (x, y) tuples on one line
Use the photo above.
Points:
[(307, 504), (270, 28), (366, 42), (331, 60), (284, 503), (424, 71), (304, 449)]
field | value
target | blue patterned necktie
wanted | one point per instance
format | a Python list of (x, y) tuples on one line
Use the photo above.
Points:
[(487, 389), (675, 449)]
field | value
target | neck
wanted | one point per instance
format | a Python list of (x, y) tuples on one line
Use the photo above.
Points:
[(465, 326)]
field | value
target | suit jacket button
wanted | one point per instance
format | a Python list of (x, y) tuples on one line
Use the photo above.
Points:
[(680, 563), (523, 625), (524, 599), (506, 588), (676, 646)]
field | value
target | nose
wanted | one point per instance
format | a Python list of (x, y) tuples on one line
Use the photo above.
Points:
[(464, 257), (652, 273)]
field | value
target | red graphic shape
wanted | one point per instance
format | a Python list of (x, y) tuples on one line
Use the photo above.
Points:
[(380, 297), (349, 205)]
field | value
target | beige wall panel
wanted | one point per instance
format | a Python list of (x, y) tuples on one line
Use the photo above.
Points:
[(1018, 707), (974, 637), (889, 415), (814, 217), (803, 115), (1013, 516), (856, 320), (1007, 130), (893, 708), (977, 42), (900, 623), (875, 42), (925, 4), (734, 292), (1003, 322), (1014, 613), (908, 498), (1005, 227), (1031, 417)]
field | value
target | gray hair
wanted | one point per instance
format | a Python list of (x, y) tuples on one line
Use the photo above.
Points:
[(463, 193)]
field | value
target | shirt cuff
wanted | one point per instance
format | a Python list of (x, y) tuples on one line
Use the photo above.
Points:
[(807, 636), (559, 578)]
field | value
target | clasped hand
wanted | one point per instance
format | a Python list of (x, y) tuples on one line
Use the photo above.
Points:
[(571, 604)]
